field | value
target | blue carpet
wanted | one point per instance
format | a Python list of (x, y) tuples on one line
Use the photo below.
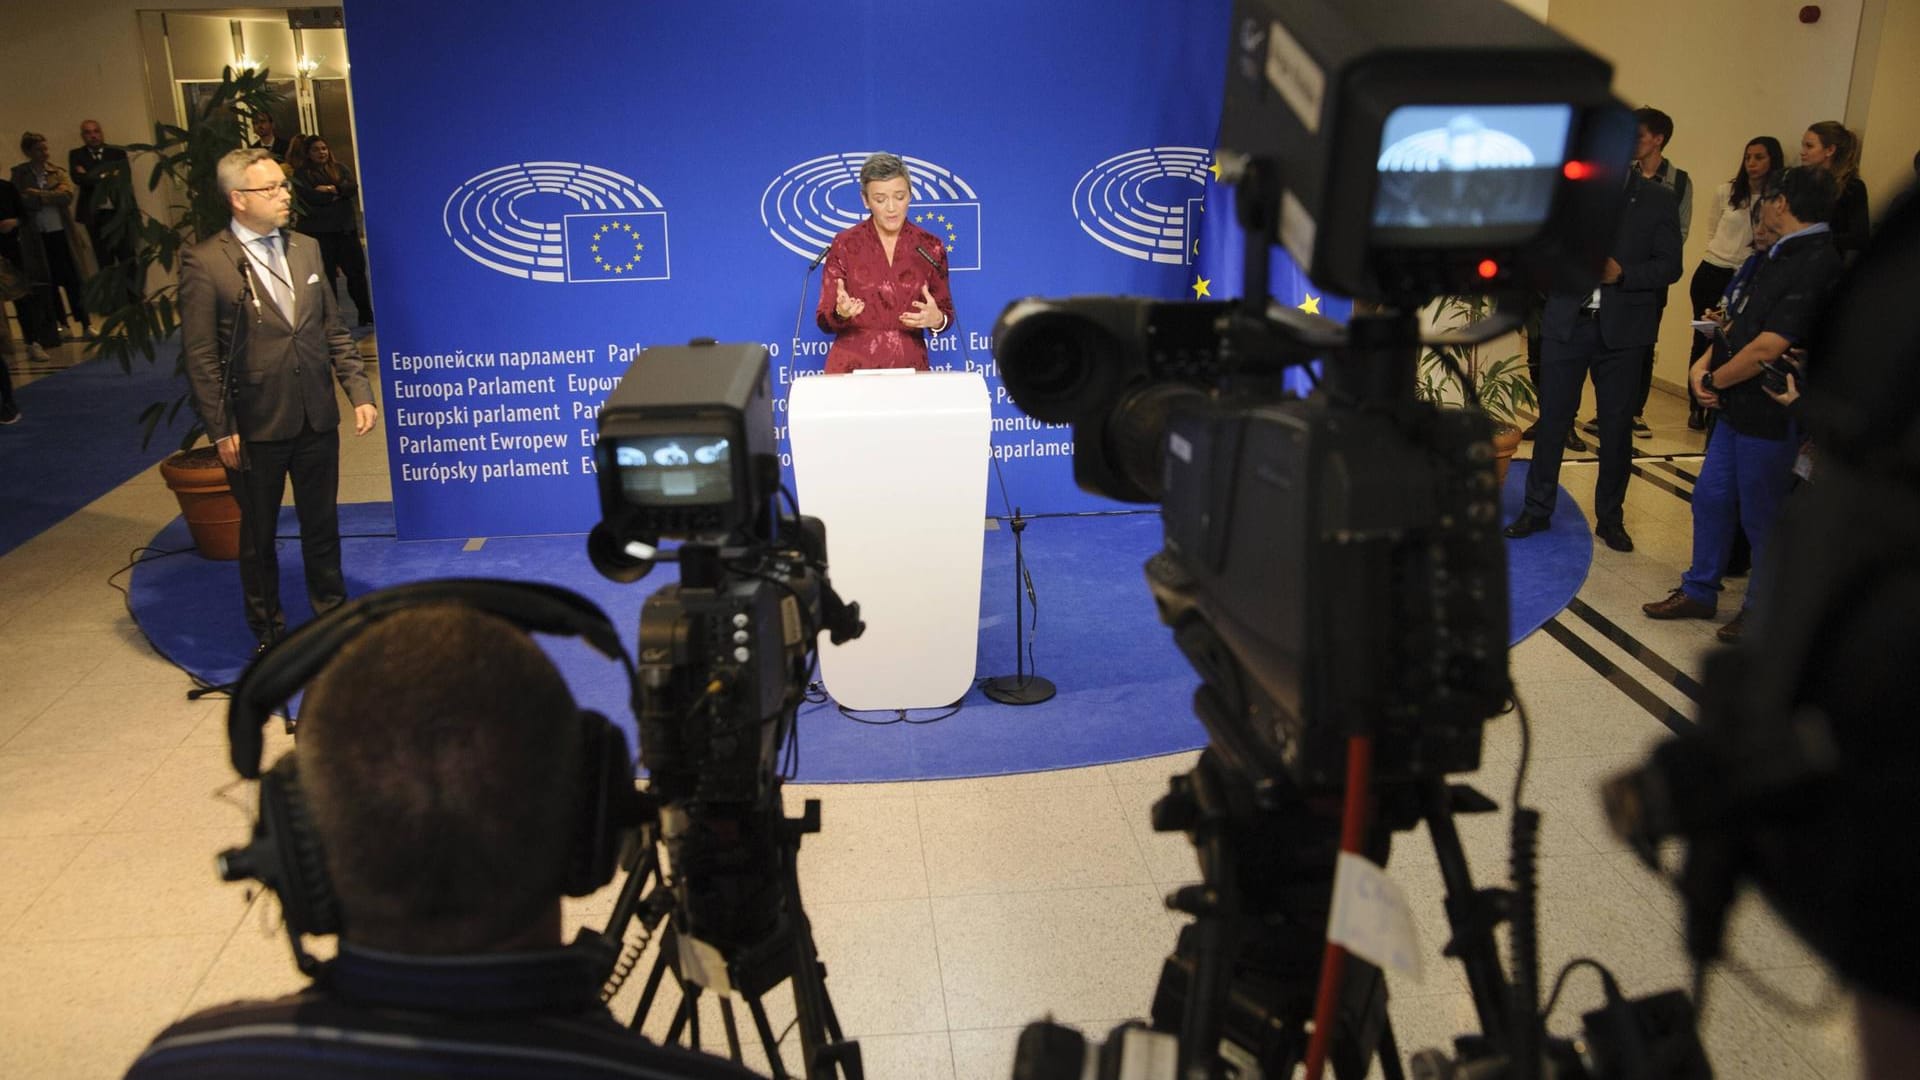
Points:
[(1124, 688), (1545, 570), (78, 438)]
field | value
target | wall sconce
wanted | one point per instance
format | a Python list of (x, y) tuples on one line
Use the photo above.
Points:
[(309, 64), (246, 63)]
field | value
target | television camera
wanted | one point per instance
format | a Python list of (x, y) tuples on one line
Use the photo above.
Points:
[(1332, 566), (687, 474)]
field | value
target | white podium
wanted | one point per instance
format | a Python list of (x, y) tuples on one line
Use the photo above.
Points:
[(894, 462)]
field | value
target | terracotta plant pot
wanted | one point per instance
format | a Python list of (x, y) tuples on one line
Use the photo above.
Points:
[(197, 479), (1505, 441)]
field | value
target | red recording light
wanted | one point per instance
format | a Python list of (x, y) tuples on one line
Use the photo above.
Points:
[(1577, 170), (1489, 269)]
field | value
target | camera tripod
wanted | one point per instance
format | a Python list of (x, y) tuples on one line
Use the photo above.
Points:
[(1242, 979), (786, 953)]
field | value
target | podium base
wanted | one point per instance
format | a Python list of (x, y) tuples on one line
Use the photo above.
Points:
[(1018, 690)]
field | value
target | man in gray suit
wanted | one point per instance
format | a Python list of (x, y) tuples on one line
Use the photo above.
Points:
[(263, 342), (1607, 332)]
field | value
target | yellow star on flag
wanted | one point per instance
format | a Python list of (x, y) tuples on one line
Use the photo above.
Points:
[(1200, 287), (1311, 305), (1215, 170)]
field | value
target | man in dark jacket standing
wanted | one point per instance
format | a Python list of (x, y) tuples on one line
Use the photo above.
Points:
[(1606, 332), (89, 164)]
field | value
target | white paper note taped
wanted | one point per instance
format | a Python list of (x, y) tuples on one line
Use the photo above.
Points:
[(1371, 918)]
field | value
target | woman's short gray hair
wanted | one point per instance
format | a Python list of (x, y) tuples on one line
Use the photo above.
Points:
[(233, 167), (883, 166)]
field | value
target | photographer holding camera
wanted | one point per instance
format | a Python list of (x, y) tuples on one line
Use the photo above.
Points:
[(442, 768), (1749, 464)]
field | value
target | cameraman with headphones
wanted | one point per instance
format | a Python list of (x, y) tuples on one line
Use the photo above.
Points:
[(441, 770)]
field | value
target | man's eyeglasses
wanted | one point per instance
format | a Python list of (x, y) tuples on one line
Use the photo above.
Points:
[(271, 189)]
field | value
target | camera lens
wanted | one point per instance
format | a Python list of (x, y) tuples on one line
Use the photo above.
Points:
[(1048, 359), (1136, 436)]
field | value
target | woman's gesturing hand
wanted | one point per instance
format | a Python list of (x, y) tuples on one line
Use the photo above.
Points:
[(926, 313)]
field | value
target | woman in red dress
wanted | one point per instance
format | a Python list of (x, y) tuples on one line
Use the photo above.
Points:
[(886, 280)]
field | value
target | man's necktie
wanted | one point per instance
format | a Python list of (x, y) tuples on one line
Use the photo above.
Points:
[(106, 202), (279, 288)]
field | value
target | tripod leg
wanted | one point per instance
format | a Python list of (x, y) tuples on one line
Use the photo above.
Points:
[(653, 987), (820, 1040), (776, 1067), (679, 1022), (1470, 918), (1389, 1052), (733, 1031), (826, 1007), (687, 1017)]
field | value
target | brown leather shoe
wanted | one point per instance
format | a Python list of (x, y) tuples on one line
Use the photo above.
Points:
[(1678, 605), (1731, 632)]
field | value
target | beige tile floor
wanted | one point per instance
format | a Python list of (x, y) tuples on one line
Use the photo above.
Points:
[(949, 913)]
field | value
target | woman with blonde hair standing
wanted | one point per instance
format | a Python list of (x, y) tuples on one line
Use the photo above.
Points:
[(1831, 146)]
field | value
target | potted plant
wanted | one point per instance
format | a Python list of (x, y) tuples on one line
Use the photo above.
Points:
[(140, 318), (1501, 383)]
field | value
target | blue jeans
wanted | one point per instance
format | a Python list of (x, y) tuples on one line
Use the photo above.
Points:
[(1743, 482)]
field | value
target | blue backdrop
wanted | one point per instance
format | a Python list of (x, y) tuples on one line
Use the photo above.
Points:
[(549, 188)]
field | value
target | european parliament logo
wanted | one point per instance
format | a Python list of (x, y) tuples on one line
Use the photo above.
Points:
[(1145, 203), (806, 206), (559, 221)]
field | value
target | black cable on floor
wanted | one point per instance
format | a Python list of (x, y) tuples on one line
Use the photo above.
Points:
[(1077, 514), (899, 716), (145, 554)]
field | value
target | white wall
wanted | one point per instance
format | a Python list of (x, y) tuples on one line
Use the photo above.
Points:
[(1886, 101), (77, 60)]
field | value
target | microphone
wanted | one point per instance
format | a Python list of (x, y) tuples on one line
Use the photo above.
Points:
[(246, 284), (801, 308), (935, 263)]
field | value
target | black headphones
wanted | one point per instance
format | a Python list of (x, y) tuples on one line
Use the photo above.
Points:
[(285, 853)]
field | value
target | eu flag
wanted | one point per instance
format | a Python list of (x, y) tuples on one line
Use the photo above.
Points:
[(957, 224), (1217, 246), (627, 245)]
